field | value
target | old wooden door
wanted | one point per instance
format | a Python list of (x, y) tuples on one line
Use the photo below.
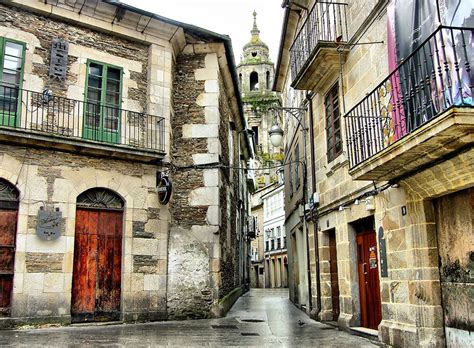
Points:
[(334, 275), (8, 219), (369, 287), (97, 265)]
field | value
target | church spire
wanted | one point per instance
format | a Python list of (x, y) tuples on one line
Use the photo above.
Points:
[(255, 32)]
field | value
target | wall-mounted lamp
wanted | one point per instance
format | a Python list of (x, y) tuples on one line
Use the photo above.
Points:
[(276, 135), (341, 208)]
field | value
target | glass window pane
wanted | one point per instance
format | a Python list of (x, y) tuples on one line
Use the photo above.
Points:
[(113, 73), (13, 49), (113, 86), (93, 95), (12, 63), (95, 69), (112, 99), (11, 79), (95, 82)]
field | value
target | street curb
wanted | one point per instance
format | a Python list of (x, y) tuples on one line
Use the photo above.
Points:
[(220, 309)]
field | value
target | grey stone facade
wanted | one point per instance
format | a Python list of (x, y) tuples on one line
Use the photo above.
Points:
[(179, 260)]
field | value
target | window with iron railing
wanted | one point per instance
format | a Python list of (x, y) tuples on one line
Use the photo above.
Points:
[(278, 243), (431, 80), (325, 22), (267, 248), (11, 76), (272, 244)]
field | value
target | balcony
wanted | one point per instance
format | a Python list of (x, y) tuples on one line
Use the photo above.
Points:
[(421, 113), (317, 50), (43, 120)]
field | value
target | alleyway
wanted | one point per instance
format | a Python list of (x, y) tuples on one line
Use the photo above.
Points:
[(259, 318)]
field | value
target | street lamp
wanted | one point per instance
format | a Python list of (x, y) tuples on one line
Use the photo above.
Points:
[(276, 136), (276, 133)]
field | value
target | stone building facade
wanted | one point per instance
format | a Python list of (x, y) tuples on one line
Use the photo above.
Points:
[(391, 183), (274, 237), (86, 135)]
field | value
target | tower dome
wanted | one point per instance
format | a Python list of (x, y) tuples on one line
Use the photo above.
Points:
[(255, 51)]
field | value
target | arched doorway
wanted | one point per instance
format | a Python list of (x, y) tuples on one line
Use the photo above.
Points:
[(8, 220), (96, 284)]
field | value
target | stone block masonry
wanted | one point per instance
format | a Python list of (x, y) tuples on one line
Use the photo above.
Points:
[(43, 270), (200, 257), (190, 291)]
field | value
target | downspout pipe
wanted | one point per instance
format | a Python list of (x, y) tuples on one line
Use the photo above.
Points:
[(309, 97)]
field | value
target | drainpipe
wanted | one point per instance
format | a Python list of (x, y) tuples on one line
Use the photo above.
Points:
[(309, 97)]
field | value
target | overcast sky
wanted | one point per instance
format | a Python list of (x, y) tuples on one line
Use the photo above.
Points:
[(231, 17)]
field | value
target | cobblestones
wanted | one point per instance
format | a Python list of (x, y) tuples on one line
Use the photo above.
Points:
[(260, 318)]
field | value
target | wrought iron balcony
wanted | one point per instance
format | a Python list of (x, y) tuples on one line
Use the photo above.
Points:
[(59, 120), (314, 53), (421, 112)]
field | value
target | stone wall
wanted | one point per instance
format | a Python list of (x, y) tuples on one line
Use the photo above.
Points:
[(43, 269), (412, 312), (203, 259), (231, 181), (38, 32), (54, 179)]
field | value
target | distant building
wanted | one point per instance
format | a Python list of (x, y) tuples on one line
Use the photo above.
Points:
[(276, 261)]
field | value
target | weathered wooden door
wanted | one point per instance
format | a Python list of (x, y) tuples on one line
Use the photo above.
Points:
[(97, 265), (334, 275), (8, 223), (369, 286), (455, 234)]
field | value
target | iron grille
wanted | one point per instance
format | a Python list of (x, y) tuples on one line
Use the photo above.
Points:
[(57, 116), (434, 78)]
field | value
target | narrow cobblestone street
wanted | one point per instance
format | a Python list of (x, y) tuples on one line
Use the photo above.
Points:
[(261, 317)]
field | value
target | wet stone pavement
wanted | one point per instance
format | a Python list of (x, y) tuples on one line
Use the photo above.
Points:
[(260, 318)]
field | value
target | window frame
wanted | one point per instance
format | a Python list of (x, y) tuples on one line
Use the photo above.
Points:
[(331, 99), (17, 113), (102, 133), (297, 166)]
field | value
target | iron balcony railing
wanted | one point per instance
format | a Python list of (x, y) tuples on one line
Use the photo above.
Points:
[(326, 22), (438, 75), (60, 117)]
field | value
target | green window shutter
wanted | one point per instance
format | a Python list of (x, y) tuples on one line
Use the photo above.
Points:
[(12, 62), (103, 113)]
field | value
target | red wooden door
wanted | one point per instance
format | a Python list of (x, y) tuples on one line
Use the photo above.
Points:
[(369, 287), (334, 275), (97, 266), (8, 220)]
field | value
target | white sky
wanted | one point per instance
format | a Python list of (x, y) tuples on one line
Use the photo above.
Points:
[(231, 17)]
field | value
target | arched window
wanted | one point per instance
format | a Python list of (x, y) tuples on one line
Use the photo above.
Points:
[(8, 192), (253, 81), (100, 198), (240, 80), (268, 79)]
